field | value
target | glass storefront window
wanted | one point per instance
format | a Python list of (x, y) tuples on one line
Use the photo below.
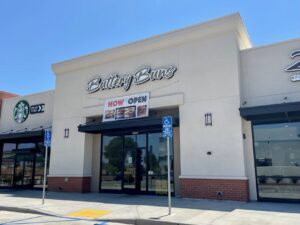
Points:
[(277, 159), (112, 157), (130, 146), (40, 164), (20, 161), (26, 146), (9, 147), (7, 164), (158, 167)]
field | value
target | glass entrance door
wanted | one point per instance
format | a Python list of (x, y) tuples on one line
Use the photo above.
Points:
[(22, 164), (135, 163), (23, 170)]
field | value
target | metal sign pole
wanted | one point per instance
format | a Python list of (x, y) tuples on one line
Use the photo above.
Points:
[(169, 175), (168, 133), (45, 173)]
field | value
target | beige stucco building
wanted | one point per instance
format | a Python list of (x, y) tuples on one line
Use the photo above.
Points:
[(235, 110)]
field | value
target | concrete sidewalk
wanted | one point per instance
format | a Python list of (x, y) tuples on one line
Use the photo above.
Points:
[(129, 208)]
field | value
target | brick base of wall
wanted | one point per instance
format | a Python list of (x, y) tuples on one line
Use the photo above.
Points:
[(222, 189), (69, 184)]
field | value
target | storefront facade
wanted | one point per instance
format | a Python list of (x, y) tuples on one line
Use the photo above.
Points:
[(22, 124), (271, 107), (235, 112)]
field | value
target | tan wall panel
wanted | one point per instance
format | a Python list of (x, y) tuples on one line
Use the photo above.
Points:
[(44, 119), (264, 79)]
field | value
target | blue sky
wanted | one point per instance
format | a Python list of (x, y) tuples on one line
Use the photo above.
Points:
[(35, 34)]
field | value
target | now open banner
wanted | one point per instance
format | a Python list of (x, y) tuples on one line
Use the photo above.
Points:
[(126, 107)]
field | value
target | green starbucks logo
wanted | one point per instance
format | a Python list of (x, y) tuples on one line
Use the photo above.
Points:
[(21, 111)]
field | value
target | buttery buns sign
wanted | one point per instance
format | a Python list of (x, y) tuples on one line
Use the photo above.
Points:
[(141, 76), (126, 107)]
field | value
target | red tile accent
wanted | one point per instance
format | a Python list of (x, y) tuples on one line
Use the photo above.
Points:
[(222, 189), (69, 184), (4, 95)]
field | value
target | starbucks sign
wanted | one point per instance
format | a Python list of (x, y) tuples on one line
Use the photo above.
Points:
[(21, 111)]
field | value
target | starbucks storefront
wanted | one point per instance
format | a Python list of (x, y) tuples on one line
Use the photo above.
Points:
[(22, 152), (22, 161)]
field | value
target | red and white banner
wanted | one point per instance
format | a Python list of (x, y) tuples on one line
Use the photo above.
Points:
[(126, 107)]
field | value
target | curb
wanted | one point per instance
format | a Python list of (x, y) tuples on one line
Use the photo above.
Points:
[(135, 221), (25, 210), (155, 222)]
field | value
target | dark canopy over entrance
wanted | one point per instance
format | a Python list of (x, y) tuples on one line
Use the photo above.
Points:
[(22, 135), (287, 112), (127, 125)]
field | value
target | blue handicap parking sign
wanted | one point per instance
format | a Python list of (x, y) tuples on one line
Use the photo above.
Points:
[(47, 138), (167, 126)]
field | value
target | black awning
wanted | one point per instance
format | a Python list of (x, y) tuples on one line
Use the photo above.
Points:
[(21, 135), (275, 112), (132, 124)]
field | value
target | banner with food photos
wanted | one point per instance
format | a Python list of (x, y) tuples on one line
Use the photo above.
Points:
[(126, 107)]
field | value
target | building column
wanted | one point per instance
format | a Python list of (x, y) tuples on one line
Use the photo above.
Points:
[(71, 158)]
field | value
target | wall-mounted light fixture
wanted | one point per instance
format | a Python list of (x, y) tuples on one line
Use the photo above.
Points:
[(66, 135), (208, 119)]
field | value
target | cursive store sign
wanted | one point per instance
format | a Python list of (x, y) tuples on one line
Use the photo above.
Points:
[(141, 76), (295, 66)]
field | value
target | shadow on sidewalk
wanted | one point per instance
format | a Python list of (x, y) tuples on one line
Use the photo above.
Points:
[(159, 201)]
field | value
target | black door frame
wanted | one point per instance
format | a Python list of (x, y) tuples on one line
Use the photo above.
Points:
[(22, 186), (137, 182)]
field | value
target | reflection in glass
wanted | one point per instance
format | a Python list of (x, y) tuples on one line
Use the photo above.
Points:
[(139, 161), (7, 165), (39, 165), (9, 147), (26, 146), (142, 168), (23, 169), (277, 151), (158, 167), (111, 174), (130, 146), (17, 167)]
